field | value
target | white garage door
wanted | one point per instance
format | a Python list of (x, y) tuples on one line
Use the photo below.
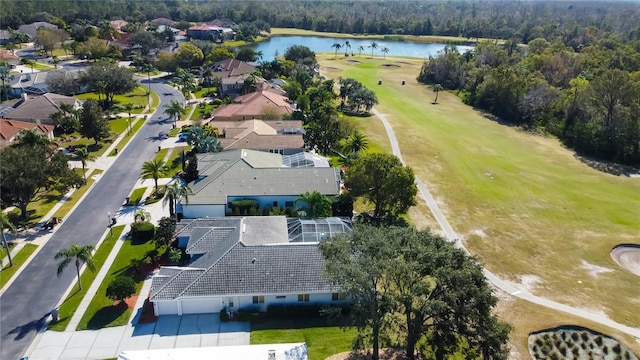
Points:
[(201, 306), (167, 307)]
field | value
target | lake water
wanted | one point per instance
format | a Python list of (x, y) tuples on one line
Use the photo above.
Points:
[(323, 44)]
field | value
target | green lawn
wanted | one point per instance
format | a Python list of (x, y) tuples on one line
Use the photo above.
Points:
[(197, 113), (200, 93), (322, 340), (36, 209), (175, 162), (102, 312), (523, 204), (125, 139), (138, 97), (3, 252), (136, 196), (161, 154), (21, 257), (75, 197), (71, 303)]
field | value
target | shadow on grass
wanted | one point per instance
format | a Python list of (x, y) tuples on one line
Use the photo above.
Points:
[(106, 316)]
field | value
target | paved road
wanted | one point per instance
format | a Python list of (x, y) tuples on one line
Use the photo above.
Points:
[(493, 279), (25, 305)]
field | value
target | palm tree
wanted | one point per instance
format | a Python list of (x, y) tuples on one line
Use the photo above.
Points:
[(360, 50), (207, 74), (175, 110), (173, 194), (84, 156), (314, 204), (185, 80), (154, 169), (336, 46), (356, 143), (385, 51), (128, 107), (373, 46), (148, 68), (436, 88), (6, 223), (347, 46), (141, 215), (81, 254)]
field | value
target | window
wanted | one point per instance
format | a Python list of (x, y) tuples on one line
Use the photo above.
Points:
[(275, 203), (281, 297), (337, 296), (288, 204), (303, 297), (258, 299)]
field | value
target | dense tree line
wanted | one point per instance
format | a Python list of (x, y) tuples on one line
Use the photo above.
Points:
[(590, 99), (574, 23)]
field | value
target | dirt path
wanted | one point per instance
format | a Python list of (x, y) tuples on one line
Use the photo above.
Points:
[(521, 293)]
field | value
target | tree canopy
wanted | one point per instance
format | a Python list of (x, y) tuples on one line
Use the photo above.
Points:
[(93, 122), (109, 79), (383, 180), (31, 170), (441, 292)]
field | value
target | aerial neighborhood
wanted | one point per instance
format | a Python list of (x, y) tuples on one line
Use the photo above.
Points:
[(330, 180)]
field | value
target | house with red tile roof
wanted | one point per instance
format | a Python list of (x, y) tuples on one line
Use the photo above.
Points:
[(256, 105), (9, 130), (275, 136)]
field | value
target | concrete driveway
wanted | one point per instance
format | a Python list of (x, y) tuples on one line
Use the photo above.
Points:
[(168, 332)]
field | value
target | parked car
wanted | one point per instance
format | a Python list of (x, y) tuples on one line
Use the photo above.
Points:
[(183, 136)]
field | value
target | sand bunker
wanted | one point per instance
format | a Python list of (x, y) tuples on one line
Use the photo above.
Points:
[(391, 65), (627, 256), (407, 63), (328, 68), (353, 62)]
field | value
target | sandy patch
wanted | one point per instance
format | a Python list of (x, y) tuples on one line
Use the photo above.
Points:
[(329, 68), (527, 282), (628, 257), (391, 65), (353, 62), (479, 232), (595, 270), (407, 63)]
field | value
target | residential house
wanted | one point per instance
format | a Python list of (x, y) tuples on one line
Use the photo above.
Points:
[(270, 179), (232, 74), (248, 262), (164, 21), (261, 104), (36, 83), (31, 29), (5, 37), (277, 136), (9, 130), (9, 57), (118, 24), (38, 109), (211, 32)]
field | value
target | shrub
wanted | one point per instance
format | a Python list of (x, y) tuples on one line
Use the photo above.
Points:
[(244, 205), (575, 336), (605, 349), (585, 336), (121, 288), (539, 342), (616, 348), (224, 315), (598, 340), (293, 311), (175, 255), (142, 231)]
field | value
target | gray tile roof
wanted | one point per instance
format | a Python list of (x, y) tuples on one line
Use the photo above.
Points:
[(255, 173), (204, 240), (186, 226), (260, 261)]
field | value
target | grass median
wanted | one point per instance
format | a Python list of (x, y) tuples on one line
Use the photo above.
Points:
[(522, 202), (73, 300), (21, 257), (136, 196), (102, 312)]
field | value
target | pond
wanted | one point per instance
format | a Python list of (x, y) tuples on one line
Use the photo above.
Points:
[(323, 44)]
